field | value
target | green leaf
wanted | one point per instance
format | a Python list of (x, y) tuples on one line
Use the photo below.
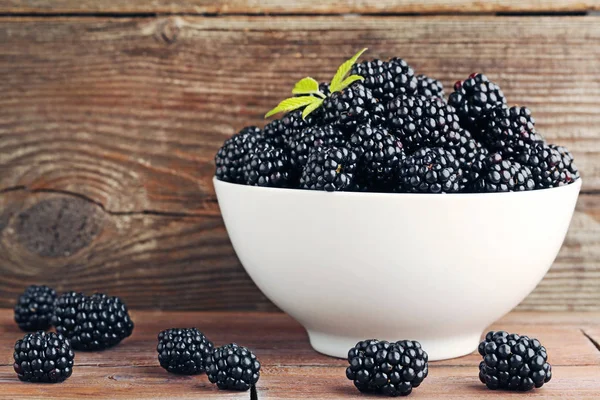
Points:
[(291, 104), (342, 71), (350, 80), (306, 86), (311, 107)]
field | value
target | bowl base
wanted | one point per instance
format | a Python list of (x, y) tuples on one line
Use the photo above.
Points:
[(441, 348)]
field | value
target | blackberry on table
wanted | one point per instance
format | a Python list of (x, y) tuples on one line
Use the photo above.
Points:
[(474, 98), (43, 357), (230, 157), (329, 168), (94, 322), (233, 367), (430, 87), (34, 309), (387, 79), (419, 121), (380, 155), (391, 369), (430, 170), (509, 130), (353, 106), (497, 174), (183, 351), (513, 362), (267, 165)]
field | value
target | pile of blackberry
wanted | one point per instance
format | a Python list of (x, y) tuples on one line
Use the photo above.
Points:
[(395, 131)]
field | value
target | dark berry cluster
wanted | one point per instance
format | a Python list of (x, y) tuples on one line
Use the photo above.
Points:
[(43, 357), (392, 369), (183, 351), (377, 134), (233, 367), (513, 362), (34, 309)]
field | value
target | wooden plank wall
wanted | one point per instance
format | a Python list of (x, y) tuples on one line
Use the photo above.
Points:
[(111, 112)]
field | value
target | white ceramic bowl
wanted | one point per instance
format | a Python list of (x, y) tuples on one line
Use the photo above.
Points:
[(434, 268)]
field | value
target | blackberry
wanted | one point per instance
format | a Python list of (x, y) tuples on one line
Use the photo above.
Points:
[(392, 369), (233, 367), (466, 150), (329, 168), (419, 121), (183, 351), (496, 174), (267, 165), (430, 170), (474, 98), (509, 130), (387, 79), (570, 169), (303, 141), (43, 357), (353, 106), (546, 164), (229, 158), (380, 155), (513, 362), (34, 309), (92, 322), (279, 132), (429, 87)]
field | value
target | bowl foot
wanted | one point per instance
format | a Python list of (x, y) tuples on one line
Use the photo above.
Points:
[(441, 348)]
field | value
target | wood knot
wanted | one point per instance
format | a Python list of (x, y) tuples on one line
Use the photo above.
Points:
[(168, 30), (59, 226)]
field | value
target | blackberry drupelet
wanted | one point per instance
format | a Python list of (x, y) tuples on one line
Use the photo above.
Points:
[(303, 141), (496, 174), (430, 87), (392, 369), (509, 130), (473, 99), (353, 106), (34, 309), (546, 164), (387, 79), (233, 367), (571, 171), (267, 165), (329, 168), (380, 155), (43, 357), (430, 170), (513, 362), (229, 158), (419, 121), (94, 322), (183, 351)]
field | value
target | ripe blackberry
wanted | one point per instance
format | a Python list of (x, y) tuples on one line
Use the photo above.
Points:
[(229, 158), (496, 174), (92, 322), (546, 164), (571, 171), (267, 165), (380, 155), (43, 357), (509, 130), (429, 87), (387, 79), (466, 150), (513, 362), (430, 170), (34, 309), (419, 121), (278, 132), (473, 98), (183, 351), (329, 168), (353, 106), (233, 367), (392, 369), (303, 141)]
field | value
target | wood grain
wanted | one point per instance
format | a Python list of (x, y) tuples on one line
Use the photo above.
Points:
[(294, 7), (290, 368), (126, 114)]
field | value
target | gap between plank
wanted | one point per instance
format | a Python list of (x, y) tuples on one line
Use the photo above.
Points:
[(591, 339)]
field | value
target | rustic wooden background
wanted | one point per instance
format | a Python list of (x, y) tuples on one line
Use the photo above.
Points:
[(111, 112)]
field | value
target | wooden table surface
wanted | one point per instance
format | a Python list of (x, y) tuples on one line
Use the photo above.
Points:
[(291, 369)]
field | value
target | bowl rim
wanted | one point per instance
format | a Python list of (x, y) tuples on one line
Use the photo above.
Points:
[(305, 192)]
